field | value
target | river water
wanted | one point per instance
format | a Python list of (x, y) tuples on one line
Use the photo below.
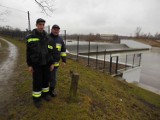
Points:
[(150, 66), (150, 73)]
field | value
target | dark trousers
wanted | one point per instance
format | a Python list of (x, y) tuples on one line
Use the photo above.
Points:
[(40, 76), (53, 77)]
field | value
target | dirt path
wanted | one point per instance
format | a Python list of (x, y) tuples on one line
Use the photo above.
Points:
[(6, 70)]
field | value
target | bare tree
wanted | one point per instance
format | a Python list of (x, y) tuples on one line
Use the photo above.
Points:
[(138, 31), (46, 6)]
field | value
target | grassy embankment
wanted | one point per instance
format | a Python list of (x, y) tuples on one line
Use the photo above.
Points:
[(100, 97), (3, 51)]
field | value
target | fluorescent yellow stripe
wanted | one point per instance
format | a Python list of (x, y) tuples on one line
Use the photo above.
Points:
[(56, 64), (63, 54), (36, 94), (58, 46), (33, 39), (45, 89), (50, 47)]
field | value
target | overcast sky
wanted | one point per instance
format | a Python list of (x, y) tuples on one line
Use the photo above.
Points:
[(89, 16)]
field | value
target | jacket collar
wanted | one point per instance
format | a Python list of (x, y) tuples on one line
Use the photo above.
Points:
[(35, 32), (52, 35)]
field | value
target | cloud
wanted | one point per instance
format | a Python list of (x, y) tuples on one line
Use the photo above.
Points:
[(96, 16)]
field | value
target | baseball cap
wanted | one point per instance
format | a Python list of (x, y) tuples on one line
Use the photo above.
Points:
[(40, 20), (55, 26)]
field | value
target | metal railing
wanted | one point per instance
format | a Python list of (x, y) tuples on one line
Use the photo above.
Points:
[(107, 61)]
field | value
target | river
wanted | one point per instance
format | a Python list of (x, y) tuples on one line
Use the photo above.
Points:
[(150, 73)]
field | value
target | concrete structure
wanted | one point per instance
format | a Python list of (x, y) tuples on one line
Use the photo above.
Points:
[(134, 44), (132, 75)]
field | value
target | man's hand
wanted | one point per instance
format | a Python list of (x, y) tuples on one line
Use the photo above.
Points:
[(52, 67), (30, 69)]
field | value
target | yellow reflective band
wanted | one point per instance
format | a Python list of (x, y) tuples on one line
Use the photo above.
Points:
[(45, 89), (50, 47), (58, 46), (56, 64), (33, 39), (63, 54), (36, 94)]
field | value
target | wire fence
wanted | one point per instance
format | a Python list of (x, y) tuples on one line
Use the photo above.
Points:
[(97, 56)]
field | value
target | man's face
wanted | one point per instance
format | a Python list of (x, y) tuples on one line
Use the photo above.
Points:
[(55, 31), (40, 26)]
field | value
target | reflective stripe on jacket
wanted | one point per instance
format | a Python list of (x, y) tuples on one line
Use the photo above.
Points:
[(60, 51)]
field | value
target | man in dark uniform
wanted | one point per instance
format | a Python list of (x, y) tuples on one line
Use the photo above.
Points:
[(40, 62), (59, 53)]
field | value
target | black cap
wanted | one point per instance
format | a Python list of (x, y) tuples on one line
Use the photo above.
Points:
[(55, 26), (40, 20)]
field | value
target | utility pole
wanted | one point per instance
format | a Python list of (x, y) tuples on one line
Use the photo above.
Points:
[(29, 23), (65, 36)]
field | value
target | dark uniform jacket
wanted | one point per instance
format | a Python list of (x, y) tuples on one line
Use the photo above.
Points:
[(39, 49), (60, 52)]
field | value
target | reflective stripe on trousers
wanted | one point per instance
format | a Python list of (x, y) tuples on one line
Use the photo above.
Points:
[(36, 94), (45, 89), (63, 54)]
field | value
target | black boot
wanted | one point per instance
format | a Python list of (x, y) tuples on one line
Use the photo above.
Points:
[(37, 102), (46, 96), (52, 92)]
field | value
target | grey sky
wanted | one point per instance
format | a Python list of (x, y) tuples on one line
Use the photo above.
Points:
[(90, 16)]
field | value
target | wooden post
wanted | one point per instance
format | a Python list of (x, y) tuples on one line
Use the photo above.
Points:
[(74, 85)]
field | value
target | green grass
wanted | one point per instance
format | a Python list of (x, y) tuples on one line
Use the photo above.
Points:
[(3, 51), (99, 97)]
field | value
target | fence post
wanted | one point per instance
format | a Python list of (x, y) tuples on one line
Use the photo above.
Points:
[(104, 64), (48, 30), (126, 63), (97, 58), (77, 47), (74, 85), (110, 66), (140, 55), (89, 52), (116, 64), (133, 60)]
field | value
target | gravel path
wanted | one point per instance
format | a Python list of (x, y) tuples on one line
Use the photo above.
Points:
[(6, 70)]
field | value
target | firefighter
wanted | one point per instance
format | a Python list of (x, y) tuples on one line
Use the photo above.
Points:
[(60, 53), (40, 62)]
